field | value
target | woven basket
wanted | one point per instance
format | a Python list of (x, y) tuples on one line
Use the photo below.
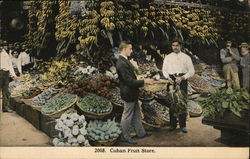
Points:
[(199, 89), (29, 102), (108, 142), (94, 115), (117, 105), (155, 87), (60, 112), (148, 126)]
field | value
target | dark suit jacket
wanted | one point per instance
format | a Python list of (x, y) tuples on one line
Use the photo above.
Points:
[(129, 85)]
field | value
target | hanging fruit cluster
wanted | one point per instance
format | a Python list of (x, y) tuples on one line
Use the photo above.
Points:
[(65, 23)]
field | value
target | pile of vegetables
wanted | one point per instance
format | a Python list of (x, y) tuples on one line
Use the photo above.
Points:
[(145, 95), (214, 82), (30, 93), (194, 108), (154, 108), (112, 73), (94, 104), (43, 98), (116, 96), (13, 84), (72, 130), (103, 130), (58, 102), (219, 100), (199, 83), (59, 71), (152, 74), (150, 120), (100, 85), (18, 90), (86, 71)]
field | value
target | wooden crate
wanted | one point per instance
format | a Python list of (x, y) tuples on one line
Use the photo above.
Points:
[(32, 115), (47, 125), (20, 109), (12, 104)]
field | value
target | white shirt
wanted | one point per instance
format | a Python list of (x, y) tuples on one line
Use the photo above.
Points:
[(16, 63), (5, 63), (24, 58), (178, 63)]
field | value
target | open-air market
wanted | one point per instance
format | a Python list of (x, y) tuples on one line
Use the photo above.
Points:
[(124, 73)]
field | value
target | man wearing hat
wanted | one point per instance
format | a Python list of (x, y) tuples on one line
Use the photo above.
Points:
[(230, 57), (245, 64), (6, 69)]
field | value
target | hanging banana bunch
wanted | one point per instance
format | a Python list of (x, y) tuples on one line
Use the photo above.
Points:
[(65, 23)]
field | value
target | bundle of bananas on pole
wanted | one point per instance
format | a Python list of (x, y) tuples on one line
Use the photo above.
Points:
[(65, 23)]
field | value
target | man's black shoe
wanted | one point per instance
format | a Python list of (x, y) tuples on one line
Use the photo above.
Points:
[(146, 135), (171, 128), (184, 130)]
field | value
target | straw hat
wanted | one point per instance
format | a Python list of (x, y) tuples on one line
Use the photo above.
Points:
[(244, 45)]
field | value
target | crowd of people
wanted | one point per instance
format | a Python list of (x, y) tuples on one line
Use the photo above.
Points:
[(236, 65), (14, 61)]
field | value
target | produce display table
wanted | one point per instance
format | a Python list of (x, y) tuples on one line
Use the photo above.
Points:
[(234, 130)]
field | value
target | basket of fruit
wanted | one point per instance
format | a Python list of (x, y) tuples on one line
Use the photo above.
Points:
[(149, 122), (103, 133), (194, 109), (199, 84), (116, 98), (145, 96), (58, 104), (94, 106), (41, 99), (31, 93)]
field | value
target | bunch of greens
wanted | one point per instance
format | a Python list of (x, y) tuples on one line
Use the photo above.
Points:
[(177, 100), (219, 100)]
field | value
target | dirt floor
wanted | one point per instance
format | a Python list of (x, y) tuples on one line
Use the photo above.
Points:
[(16, 131)]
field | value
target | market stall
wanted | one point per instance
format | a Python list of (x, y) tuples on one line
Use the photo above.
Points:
[(73, 93)]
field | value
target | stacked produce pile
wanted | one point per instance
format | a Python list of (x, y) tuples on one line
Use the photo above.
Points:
[(100, 85), (116, 96), (59, 71), (146, 67), (152, 74), (145, 95), (14, 84), (112, 73), (72, 130), (18, 90), (58, 102), (154, 108), (42, 99), (30, 93), (199, 83), (149, 120), (94, 104), (100, 130), (220, 100), (214, 82), (194, 108), (213, 73), (89, 70)]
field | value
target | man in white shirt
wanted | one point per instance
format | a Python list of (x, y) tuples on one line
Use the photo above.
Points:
[(24, 59), (177, 68), (6, 69)]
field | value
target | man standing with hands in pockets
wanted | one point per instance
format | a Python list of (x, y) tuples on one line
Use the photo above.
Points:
[(177, 68), (129, 88)]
